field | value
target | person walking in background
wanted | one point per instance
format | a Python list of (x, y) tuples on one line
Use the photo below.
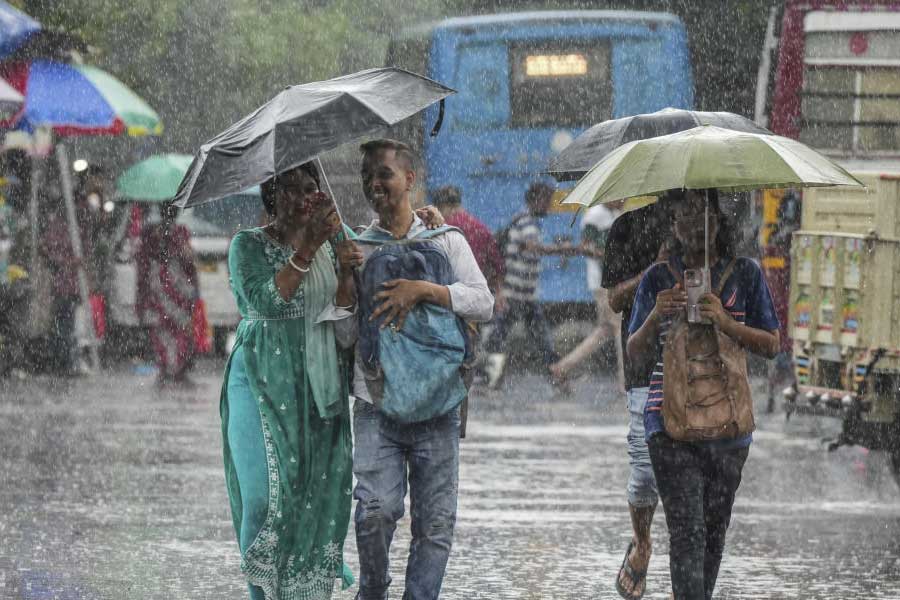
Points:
[(517, 299), (635, 241), (284, 403), (56, 249), (594, 231), (448, 200), (698, 480), (421, 452), (167, 295)]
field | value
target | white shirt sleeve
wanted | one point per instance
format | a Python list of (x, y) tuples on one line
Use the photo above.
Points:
[(346, 328), (470, 297)]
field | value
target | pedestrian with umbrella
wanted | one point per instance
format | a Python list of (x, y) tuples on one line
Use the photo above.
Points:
[(284, 402), (702, 292), (636, 239), (168, 292)]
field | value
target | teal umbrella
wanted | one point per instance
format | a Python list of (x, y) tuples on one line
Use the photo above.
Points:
[(154, 179)]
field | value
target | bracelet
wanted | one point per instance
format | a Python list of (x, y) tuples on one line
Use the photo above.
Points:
[(296, 267), (348, 307)]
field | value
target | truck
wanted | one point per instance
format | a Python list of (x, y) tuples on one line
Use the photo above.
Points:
[(832, 255)]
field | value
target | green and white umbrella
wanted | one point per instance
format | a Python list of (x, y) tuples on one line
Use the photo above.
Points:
[(154, 179), (706, 157)]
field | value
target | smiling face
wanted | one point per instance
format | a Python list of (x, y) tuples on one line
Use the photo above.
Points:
[(297, 197), (386, 180)]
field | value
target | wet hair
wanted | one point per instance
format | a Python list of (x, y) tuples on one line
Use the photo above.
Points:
[(402, 151), (725, 238), (449, 195), (268, 188), (537, 191)]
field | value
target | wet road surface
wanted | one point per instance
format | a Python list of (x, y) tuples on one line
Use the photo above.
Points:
[(111, 489)]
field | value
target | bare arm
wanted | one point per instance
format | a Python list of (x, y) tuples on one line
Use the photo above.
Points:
[(759, 341), (668, 303), (621, 295)]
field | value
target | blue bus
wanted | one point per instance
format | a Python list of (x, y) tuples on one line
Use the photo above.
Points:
[(528, 83)]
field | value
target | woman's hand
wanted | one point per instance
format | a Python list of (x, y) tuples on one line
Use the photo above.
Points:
[(349, 256), (324, 223), (669, 302), (712, 310), (431, 216)]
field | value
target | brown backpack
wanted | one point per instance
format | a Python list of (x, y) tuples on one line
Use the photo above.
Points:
[(706, 391)]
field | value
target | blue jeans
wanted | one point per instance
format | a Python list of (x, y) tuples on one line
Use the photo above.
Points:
[(642, 490), (382, 453)]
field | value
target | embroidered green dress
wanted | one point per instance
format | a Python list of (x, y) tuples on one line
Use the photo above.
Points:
[(292, 370)]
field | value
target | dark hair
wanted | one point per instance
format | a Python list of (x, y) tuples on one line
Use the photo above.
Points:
[(402, 151), (446, 196), (725, 239), (268, 188), (536, 191)]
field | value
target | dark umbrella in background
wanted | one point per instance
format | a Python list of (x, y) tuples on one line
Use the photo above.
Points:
[(302, 122), (595, 143)]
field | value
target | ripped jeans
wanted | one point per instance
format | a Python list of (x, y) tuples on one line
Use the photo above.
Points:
[(383, 451)]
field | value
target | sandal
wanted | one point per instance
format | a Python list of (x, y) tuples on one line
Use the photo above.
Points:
[(636, 577)]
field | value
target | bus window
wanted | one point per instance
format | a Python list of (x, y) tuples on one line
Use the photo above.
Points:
[(481, 81), (560, 84), (849, 100)]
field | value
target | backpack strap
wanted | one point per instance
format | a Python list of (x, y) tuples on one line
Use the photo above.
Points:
[(673, 271), (725, 275), (427, 234), (374, 237)]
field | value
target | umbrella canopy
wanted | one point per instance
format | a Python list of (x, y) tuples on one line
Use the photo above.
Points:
[(706, 157), (154, 179), (302, 122), (79, 100), (15, 29), (601, 139), (11, 101)]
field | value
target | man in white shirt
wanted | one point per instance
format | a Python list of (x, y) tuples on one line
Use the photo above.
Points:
[(386, 450)]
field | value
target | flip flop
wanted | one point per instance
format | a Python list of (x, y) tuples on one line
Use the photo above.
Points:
[(636, 577)]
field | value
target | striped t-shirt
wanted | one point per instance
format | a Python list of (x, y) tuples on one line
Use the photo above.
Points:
[(745, 296), (523, 269)]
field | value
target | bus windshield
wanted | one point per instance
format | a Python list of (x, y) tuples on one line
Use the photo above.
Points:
[(533, 84), (559, 84)]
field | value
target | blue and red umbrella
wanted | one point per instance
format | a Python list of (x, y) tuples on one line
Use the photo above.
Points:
[(77, 100)]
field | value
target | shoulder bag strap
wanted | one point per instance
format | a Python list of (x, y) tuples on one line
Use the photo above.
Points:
[(725, 275)]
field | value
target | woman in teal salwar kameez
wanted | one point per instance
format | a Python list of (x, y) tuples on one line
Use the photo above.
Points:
[(284, 406)]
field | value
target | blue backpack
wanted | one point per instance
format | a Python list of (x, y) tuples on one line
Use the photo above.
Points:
[(419, 365)]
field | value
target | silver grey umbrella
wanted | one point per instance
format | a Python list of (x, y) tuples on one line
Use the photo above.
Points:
[(601, 139), (300, 123)]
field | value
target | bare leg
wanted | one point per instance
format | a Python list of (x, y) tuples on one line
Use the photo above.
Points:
[(641, 519)]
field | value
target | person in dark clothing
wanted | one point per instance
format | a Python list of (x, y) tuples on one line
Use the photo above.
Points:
[(636, 240), (697, 481), (56, 248)]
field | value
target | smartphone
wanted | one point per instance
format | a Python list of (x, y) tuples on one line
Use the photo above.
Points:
[(695, 285)]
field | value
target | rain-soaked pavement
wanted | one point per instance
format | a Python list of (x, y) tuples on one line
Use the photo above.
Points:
[(111, 489)]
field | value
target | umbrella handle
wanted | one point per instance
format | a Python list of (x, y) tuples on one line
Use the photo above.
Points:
[(440, 119)]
